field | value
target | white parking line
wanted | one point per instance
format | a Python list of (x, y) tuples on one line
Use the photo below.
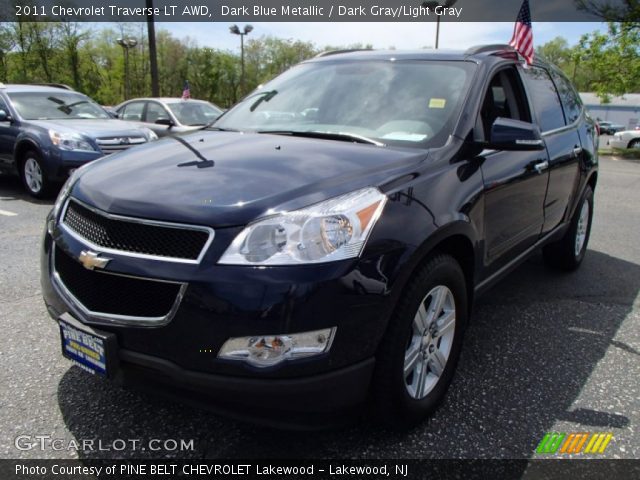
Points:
[(6, 213)]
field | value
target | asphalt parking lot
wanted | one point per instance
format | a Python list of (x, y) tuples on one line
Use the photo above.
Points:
[(545, 352)]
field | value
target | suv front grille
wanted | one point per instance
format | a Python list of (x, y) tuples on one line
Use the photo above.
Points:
[(107, 294), (137, 237), (117, 144)]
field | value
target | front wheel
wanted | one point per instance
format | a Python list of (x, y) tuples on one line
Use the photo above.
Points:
[(34, 176), (634, 143), (420, 350), (569, 251)]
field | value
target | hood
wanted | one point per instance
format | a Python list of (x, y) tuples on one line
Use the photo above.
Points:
[(250, 174), (93, 128)]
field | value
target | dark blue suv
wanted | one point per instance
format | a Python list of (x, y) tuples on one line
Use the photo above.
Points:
[(319, 248), (46, 132)]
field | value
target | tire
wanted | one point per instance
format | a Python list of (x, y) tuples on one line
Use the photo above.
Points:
[(567, 253), (634, 143), (402, 401), (34, 177)]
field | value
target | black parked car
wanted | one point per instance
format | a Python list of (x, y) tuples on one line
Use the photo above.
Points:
[(46, 131), (608, 128), (321, 246)]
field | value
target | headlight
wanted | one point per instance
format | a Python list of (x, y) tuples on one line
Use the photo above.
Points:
[(328, 231), (269, 350), (70, 141), (151, 135)]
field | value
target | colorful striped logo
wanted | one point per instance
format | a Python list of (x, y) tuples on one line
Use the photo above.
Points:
[(585, 442)]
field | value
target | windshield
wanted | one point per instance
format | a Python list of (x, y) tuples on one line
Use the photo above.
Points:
[(409, 103), (194, 113), (56, 106)]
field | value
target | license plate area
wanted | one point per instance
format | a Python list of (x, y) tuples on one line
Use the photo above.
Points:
[(92, 350)]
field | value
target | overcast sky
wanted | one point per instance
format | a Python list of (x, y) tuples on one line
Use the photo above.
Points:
[(381, 35)]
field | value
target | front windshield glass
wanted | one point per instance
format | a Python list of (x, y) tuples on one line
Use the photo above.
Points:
[(408, 103), (56, 106), (194, 113)]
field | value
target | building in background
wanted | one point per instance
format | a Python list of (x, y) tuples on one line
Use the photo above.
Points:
[(623, 110)]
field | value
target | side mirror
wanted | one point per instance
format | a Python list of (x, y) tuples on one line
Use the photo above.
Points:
[(165, 121), (111, 112), (509, 134), (4, 116)]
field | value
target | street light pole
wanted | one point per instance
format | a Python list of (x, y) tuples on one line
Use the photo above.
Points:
[(236, 31), (126, 44), (432, 6)]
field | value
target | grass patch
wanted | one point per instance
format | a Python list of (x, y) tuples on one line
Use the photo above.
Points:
[(628, 153)]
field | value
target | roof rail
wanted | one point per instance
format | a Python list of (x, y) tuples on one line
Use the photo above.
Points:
[(54, 85), (497, 47), (336, 52)]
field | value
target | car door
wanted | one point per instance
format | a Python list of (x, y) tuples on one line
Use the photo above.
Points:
[(560, 132), (132, 111), (9, 130), (514, 186), (156, 111)]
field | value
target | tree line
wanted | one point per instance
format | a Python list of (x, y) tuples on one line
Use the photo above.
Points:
[(91, 60)]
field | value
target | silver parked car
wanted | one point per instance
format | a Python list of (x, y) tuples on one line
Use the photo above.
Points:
[(166, 116)]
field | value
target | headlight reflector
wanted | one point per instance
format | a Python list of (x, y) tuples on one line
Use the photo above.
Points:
[(269, 350), (328, 231), (151, 134), (70, 141)]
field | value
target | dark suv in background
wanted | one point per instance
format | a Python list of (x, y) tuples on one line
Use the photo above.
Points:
[(321, 245), (47, 131)]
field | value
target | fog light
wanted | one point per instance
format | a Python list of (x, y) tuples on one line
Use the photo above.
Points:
[(267, 350)]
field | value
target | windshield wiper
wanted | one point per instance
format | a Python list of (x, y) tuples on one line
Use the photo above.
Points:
[(264, 97), (342, 136), (218, 129), (202, 161)]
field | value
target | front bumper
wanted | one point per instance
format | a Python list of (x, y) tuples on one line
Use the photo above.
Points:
[(59, 162), (221, 302), (617, 143)]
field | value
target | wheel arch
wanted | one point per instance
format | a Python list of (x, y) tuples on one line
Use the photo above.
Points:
[(593, 180), (456, 239), (21, 149)]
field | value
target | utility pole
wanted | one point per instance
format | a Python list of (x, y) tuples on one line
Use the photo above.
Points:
[(153, 53), (236, 31), (126, 44)]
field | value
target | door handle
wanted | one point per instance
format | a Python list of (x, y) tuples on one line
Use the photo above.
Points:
[(541, 166), (577, 151)]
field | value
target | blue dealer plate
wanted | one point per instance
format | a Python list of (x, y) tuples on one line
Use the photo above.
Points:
[(85, 349)]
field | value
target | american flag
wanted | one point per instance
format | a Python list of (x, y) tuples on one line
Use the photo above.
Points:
[(186, 91), (522, 39)]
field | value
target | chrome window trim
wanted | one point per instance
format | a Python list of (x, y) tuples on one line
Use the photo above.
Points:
[(102, 318), (126, 253)]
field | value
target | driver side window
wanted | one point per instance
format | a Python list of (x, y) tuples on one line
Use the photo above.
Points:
[(504, 98)]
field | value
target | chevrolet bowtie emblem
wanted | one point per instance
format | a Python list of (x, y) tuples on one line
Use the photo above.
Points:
[(91, 260)]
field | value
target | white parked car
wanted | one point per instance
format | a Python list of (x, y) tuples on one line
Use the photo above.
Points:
[(626, 139)]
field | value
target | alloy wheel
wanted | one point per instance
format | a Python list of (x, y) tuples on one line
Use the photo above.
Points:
[(431, 340), (33, 175), (581, 231)]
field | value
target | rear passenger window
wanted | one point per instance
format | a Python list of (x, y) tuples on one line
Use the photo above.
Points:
[(570, 100), (133, 112), (545, 99)]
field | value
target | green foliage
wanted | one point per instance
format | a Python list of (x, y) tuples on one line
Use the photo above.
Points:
[(91, 60), (605, 63)]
